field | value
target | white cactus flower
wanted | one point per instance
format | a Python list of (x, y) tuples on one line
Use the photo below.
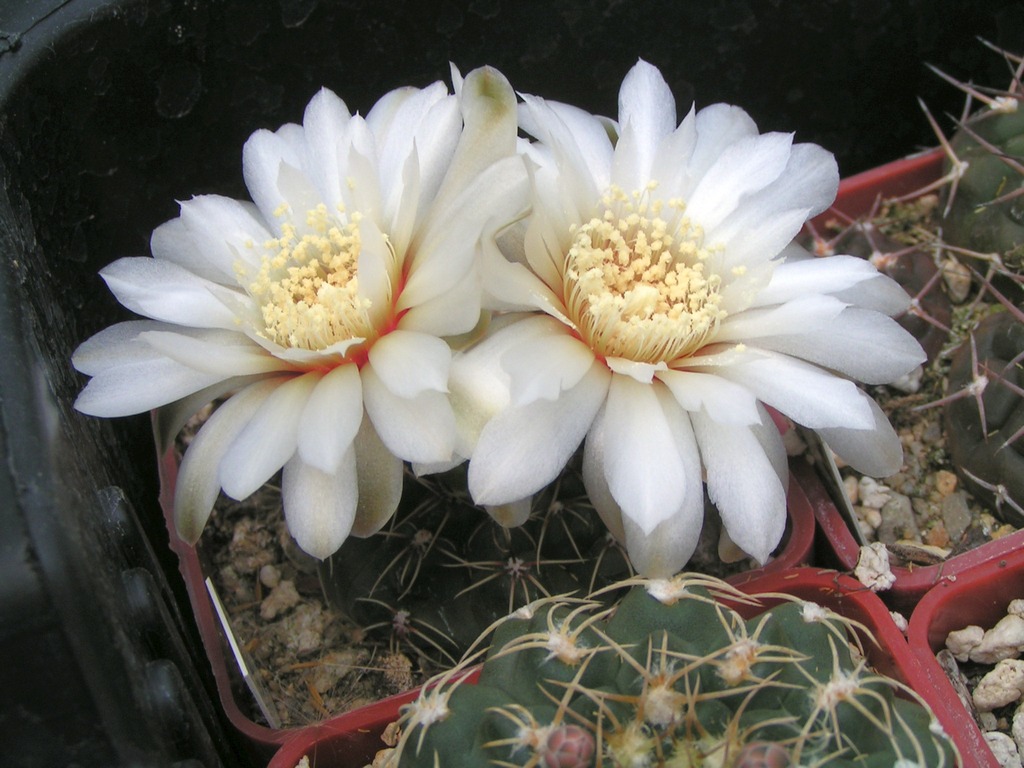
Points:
[(322, 305), (667, 306)]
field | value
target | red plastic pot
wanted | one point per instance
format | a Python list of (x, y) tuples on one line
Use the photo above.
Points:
[(330, 746), (978, 595), (357, 733)]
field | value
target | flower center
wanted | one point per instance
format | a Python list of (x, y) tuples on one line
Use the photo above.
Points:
[(308, 287), (636, 284)]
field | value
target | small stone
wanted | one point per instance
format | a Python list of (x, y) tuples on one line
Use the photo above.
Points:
[(871, 516), (909, 382), (900, 621), (304, 629), (270, 576), (936, 536), (1003, 685), (1004, 641), (873, 569), (851, 485), (957, 278), (956, 514), (945, 482), (1017, 729), (987, 721), (281, 598), (898, 521), (872, 493), (1004, 749), (961, 642), (1015, 608)]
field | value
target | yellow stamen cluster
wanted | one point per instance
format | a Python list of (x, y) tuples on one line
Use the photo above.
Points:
[(636, 282), (308, 286)]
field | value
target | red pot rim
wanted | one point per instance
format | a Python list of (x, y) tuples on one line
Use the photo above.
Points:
[(976, 595)]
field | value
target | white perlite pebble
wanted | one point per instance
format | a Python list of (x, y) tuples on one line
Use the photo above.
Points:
[(961, 642), (1003, 641), (1004, 749), (900, 621), (1018, 730), (872, 493), (1003, 685), (873, 569)]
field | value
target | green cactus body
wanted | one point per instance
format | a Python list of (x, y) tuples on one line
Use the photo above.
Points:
[(444, 570), (982, 217), (673, 676), (986, 443)]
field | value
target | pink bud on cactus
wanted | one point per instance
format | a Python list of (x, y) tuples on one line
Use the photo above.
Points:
[(763, 754), (568, 746)]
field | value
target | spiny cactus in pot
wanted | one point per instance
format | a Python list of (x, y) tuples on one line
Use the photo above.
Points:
[(674, 676), (983, 223), (984, 203)]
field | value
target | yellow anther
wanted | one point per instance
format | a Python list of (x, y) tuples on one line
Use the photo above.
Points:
[(635, 284)]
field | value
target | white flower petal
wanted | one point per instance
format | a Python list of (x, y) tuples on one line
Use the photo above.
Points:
[(672, 159), (640, 371), (543, 368), (215, 351), (116, 345), (807, 183), (645, 472), (513, 514), (262, 156), (454, 312), (331, 418), (717, 126), (447, 247), (587, 135), (319, 506), (876, 451), (595, 482), (141, 385), (225, 234), (361, 186), (859, 343), (647, 114), (420, 428), (795, 278), (198, 483), (409, 362), (268, 440), (743, 483), (380, 475), (164, 291), (745, 167), (325, 125), (670, 544), (488, 106), (724, 400), (523, 449), (807, 394), (880, 294)]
